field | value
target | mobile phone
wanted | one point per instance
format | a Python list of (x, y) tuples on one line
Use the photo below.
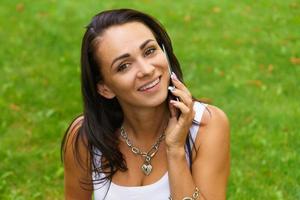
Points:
[(170, 72)]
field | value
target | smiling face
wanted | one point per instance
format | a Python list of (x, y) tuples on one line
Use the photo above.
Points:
[(133, 66)]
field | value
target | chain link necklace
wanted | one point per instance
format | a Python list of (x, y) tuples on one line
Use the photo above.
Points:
[(146, 167)]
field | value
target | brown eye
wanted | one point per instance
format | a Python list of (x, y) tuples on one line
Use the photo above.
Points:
[(150, 51), (122, 67)]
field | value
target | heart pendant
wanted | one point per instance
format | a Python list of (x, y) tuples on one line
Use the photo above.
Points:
[(147, 168)]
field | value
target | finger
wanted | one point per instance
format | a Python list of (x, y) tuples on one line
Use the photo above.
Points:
[(181, 106), (176, 82), (173, 112), (184, 97)]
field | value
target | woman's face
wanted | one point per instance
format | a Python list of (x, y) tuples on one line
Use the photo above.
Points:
[(133, 66)]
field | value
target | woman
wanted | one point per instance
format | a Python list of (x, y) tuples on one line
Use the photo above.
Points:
[(134, 139)]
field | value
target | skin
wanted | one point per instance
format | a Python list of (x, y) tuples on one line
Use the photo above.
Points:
[(123, 79)]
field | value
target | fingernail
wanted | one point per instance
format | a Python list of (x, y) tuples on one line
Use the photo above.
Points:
[(173, 76), (172, 101), (171, 88)]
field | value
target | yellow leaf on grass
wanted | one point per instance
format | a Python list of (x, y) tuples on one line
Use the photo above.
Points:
[(270, 68), (14, 107), (256, 82), (187, 18), (216, 9), (20, 7), (295, 61)]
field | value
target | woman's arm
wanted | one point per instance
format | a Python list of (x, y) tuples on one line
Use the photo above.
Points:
[(210, 169), (77, 173), (211, 163)]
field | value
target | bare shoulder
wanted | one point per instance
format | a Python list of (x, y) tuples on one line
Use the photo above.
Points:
[(71, 135), (77, 171), (74, 126), (214, 116), (214, 128), (73, 142)]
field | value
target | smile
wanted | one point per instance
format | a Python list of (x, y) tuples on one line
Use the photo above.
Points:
[(149, 85)]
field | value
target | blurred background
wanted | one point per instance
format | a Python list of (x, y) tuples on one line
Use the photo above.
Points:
[(242, 56)]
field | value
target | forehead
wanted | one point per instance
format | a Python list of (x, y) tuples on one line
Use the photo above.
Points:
[(120, 39)]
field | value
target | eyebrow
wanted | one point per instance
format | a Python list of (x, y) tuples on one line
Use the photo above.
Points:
[(127, 54)]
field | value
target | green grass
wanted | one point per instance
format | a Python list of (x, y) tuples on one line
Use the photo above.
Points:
[(241, 55)]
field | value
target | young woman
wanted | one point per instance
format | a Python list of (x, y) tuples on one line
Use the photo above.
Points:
[(139, 138)]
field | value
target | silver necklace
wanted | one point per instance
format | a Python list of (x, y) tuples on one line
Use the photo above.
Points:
[(146, 167)]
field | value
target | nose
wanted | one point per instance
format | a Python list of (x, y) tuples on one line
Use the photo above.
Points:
[(145, 68)]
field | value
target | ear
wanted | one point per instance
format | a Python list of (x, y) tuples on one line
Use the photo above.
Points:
[(105, 91)]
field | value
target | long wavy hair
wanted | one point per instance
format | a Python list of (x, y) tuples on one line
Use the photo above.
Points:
[(103, 117)]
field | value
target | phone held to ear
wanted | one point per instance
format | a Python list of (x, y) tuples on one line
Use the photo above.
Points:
[(171, 86)]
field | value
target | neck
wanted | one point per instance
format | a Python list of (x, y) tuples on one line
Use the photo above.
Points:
[(145, 124)]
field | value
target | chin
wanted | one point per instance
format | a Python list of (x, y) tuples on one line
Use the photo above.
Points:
[(157, 101)]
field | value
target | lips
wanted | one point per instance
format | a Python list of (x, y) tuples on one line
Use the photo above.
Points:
[(149, 85)]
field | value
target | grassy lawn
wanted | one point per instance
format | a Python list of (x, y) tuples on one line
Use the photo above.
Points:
[(243, 56)]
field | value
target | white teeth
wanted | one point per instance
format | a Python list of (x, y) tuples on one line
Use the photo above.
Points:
[(150, 85)]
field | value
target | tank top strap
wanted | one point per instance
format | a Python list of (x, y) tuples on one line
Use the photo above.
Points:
[(199, 109)]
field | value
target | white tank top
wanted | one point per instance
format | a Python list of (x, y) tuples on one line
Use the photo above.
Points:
[(156, 191)]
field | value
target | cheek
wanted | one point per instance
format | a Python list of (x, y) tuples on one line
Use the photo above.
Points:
[(122, 84), (161, 61)]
